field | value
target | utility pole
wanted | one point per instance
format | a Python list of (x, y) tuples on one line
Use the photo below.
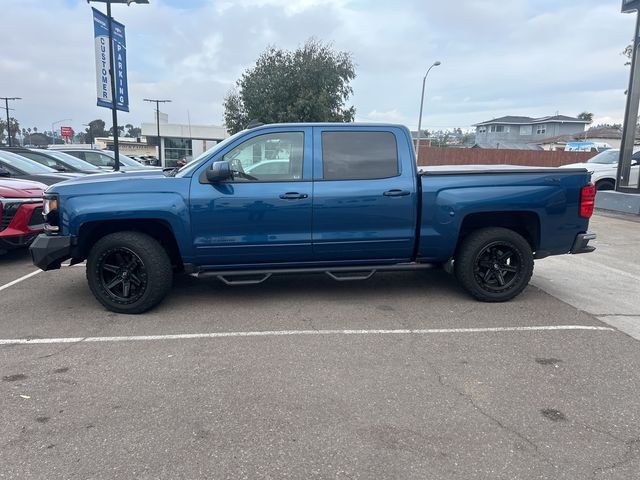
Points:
[(6, 107), (158, 102)]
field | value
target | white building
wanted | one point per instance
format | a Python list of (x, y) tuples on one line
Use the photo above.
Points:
[(179, 141)]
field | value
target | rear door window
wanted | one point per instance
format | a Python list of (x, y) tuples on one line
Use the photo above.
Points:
[(359, 155)]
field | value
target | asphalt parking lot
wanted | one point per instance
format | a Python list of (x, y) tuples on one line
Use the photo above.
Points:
[(401, 376)]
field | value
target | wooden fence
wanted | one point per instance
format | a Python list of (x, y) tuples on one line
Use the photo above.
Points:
[(481, 156)]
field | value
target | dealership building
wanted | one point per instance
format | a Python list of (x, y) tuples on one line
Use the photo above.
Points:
[(179, 141)]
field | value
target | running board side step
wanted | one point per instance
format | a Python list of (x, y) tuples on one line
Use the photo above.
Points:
[(340, 274)]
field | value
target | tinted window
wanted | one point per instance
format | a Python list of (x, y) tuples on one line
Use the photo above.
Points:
[(99, 159), (24, 165), (359, 155), (274, 157)]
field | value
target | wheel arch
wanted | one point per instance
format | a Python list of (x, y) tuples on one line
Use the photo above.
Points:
[(160, 230), (526, 223)]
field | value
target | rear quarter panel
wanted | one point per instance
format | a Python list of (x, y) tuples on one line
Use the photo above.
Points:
[(553, 197)]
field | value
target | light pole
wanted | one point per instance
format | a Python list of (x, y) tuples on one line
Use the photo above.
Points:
[(112, 80), (158, 102), (53, 138), (6, 107), (424, 81)]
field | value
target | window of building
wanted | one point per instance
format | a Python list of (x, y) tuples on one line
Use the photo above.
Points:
[(525, 129), (499, 129), (273, 157), (176, 149), (359, 155), (541, 129)]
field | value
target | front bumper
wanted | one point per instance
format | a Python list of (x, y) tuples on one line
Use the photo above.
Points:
[(49, 251), (581, 243)]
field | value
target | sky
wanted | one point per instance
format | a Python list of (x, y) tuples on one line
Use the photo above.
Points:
[(499, 57)]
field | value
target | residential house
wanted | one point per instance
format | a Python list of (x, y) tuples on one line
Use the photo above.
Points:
[(525, 132)]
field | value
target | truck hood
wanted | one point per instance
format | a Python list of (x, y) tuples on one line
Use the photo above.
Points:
[(106, 180), (20, 189)]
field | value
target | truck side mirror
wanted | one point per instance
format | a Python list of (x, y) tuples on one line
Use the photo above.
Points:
[(219, 171), (4, 172)]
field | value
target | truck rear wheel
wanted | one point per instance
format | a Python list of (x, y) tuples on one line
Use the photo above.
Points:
[(129, 272), (494, 264)]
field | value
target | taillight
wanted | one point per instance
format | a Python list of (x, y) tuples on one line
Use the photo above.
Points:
[(587, 200), (0, 213)]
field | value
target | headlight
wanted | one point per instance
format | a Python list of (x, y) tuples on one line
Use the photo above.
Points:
[(50, 204), (51, 214)]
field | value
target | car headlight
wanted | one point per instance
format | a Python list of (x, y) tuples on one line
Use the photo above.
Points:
[(51, 213)]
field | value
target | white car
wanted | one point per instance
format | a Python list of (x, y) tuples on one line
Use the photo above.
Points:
[(604, 167)]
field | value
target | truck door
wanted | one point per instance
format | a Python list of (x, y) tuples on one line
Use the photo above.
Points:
[(263, 215), (365, 200)]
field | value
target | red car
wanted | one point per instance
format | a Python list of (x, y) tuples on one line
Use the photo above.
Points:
[(20, 213)]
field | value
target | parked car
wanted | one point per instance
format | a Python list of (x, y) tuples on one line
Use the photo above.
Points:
[(268, 167), (604, 168), (56, 160), (105, 158), (15, 166), (20, 212), (352, 206)]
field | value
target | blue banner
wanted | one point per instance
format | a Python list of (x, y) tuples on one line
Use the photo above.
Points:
[(103, 50)]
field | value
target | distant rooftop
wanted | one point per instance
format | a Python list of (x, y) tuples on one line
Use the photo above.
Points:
[(515, 120)]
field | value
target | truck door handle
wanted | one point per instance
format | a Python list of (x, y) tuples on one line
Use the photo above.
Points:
[(396, 193), (293, 196)]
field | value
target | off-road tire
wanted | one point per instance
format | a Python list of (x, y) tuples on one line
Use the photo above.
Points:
[(470, 265), (153, 271)]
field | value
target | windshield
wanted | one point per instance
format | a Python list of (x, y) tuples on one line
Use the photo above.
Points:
[(24, 164), (71, 160), (195, 163), (606, 157)]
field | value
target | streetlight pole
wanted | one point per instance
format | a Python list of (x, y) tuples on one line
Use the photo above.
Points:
[(424, 81), (158, 102), (6, 107), (53, 138)]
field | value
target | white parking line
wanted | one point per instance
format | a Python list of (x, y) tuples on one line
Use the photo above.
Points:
[(18, 280), (281, 333)]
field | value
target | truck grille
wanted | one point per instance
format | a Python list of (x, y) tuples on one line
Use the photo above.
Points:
[(36, 218), (8, 212)]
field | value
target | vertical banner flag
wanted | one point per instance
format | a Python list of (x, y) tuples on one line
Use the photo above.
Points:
[(103, 50)]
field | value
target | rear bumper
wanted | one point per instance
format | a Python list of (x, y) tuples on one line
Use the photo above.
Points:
[(49, 251), (581, 243)]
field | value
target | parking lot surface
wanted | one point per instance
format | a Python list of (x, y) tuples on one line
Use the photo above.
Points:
[(401, 376)]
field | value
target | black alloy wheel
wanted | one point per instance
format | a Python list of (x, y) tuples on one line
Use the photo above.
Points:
[(129, 272), (497, 266), (123, 275), (494, 264)]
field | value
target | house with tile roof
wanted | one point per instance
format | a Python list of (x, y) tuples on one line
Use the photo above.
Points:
[(525, 132)]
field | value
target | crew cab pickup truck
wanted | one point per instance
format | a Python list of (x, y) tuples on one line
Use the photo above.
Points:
[(350, 203)]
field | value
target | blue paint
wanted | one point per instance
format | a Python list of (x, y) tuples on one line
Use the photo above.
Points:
[(241, 224)]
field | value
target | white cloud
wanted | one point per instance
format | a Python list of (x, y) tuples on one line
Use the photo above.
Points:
[(526, 57)]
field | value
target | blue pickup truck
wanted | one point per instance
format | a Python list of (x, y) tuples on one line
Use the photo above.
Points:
[(342, 199)]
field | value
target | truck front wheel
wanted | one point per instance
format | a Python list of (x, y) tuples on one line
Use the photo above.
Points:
[(129, 272), (494, 264)]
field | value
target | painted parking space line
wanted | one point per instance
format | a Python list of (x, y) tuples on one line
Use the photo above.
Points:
[(33, 274), (18, 280), (282, 333)]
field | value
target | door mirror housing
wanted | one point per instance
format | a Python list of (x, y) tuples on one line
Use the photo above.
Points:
[(4, 172), (219, 172)]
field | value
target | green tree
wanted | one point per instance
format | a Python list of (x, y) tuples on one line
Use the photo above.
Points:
[(132, 132), (95, 129), (15, 128), (586, 116), (310, 84)]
